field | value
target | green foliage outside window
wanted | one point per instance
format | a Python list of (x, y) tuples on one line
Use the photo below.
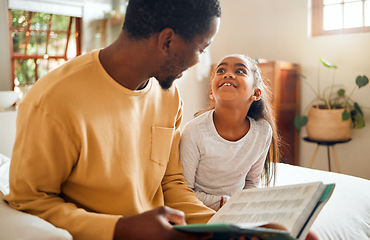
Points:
[(40, 43)]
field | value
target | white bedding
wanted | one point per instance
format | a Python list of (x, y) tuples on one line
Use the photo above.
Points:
[(347, 213), (345, 216), (19, 225)]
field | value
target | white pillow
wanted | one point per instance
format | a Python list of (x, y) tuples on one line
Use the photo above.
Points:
[(4, 173), (15, 224)]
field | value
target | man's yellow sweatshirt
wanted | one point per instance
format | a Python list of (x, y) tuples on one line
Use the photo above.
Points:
[(89, 151)]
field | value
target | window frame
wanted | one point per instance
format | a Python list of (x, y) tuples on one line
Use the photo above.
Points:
[(317, 8), (27, 30)]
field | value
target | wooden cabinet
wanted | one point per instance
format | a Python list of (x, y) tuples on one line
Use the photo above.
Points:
[(283, 79)]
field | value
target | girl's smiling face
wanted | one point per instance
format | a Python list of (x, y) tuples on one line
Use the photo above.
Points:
[(234, 81)]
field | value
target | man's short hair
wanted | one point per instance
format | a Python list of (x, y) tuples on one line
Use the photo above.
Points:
[(188, 18)]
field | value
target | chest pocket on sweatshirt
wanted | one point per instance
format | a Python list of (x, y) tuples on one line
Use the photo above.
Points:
[(161, 144)]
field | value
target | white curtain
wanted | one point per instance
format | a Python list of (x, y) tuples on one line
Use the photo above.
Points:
[(61, 7)]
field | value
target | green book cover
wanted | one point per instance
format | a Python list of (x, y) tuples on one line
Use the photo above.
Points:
[(227, 231)]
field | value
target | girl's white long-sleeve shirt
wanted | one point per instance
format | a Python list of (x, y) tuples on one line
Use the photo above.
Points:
[(215, 167)]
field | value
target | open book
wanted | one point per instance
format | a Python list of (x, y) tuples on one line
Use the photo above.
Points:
[(284, 212)]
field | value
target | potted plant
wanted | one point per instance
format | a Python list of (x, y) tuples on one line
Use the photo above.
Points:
[(332, 112)]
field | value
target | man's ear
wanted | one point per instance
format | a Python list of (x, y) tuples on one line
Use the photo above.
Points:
[(257, 94), (165, 39)]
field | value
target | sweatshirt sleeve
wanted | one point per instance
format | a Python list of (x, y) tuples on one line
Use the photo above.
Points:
[(43, 158)]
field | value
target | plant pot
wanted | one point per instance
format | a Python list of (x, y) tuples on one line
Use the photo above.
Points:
[(327, 125)]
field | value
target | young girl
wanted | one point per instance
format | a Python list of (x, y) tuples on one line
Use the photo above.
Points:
[(235, 142), (232, 144)]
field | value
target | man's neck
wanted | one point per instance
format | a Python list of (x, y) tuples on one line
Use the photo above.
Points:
[(126, 62)]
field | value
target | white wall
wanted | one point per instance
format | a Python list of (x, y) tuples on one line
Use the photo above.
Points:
[(5, 72), (194, 88), (93, 10), (278, 30)]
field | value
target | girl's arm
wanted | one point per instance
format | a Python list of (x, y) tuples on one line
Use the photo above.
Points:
[(190, 157), (189, 154), (212, 201), (253, 177)]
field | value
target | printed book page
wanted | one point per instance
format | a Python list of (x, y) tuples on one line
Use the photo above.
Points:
[(289, 206)]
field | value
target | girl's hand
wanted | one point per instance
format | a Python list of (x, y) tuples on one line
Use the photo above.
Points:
[(222, 201)]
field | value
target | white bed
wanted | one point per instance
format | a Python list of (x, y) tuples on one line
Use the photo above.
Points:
[(345, 216)]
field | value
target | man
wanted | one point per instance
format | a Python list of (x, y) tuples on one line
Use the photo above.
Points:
[(96, 150)]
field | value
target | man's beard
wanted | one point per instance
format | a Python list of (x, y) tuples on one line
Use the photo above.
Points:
[(167, 83), (170, 68)]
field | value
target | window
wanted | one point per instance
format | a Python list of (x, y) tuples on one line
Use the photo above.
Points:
[(340, 16), (41, 42)]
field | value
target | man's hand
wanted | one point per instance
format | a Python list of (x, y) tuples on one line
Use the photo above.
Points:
[(154, 224)]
